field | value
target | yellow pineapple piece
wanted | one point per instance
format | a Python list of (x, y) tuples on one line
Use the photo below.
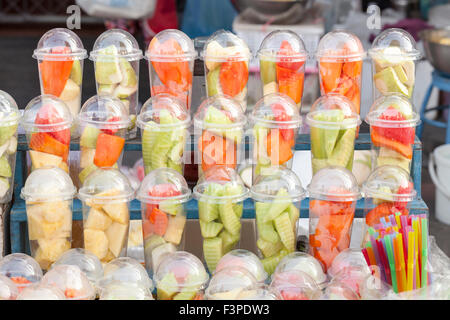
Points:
[(96, 203), (175, 229), (117, 233), (43, 262), (51, 249), (39, 228), (97, 220), (42, 159), (63, 165), (54, 211), (118, 211), (109, 256), (96, 242), (86, 157)]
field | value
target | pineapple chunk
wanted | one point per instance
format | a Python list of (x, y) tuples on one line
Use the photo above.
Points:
[(86, 157), (96, 242), (55, 211), (109, 256), (41, 159), (39, 228), (117, 234), (43, 262), (97, 220), (64, 166), (118, 211), (175, 229), (110, 193), (51, 249)]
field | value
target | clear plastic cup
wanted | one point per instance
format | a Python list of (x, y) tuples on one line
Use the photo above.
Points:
[(125, 271), (262, 292), (163, 194), (9, 121), (294, 285), (244, 259), (353, 276), (394, 54), (226, 58), (347, 260), (106, 195), (220, 194), (340, 56), (48, 195), (304, 262), (8, 289), (103, 123), (85, 260), (22, 269), (41, 292), (47, 122), (282, 56), (116, 56), (333, 123), (393, 124), (277, 199), (171, 55), (372, 288), (333, 193), (219, 129), (180, 276), (60, 54), (276, 121), (388, 191), (122, 291), (339, 291), (164, 123), (70, 280), (232, 283)]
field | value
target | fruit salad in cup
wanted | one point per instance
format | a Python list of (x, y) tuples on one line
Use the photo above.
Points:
[(233, 283), (21, 269), (294, 285), (41, 292), (244, 259)]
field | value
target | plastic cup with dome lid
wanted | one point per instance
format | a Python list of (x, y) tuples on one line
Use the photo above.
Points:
[(234, 283), (244, 259), (294, 285), (41, 291), (21, 269)]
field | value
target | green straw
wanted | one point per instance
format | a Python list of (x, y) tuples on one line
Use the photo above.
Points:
[(372, 231), (424, 280), (391, 263)]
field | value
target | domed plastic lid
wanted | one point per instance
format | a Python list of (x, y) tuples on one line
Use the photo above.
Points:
[(220, 111), (41, 292), (353, 277), (163, 112), (302, 262), (390, 183), (48, 184), (348, 259), (115, 43), (21, 269), (229, 283), (261, 293), (171, 44), (334, 184), (282, 44), (294, 285), (106, 185), (392, 111), (266, 187), (339, 291), (333, 111), (394, 44), (121, 291), (340, 44), (60, 44), (226, 184), (8, 289), (276, 110), (225, 46), (104, 112), (164, 184), (9, 112), (46, 113), (126, 271), (85, 260), (187, 269), (70, 280), (245, 259)]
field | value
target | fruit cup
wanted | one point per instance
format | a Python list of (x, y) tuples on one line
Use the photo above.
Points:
[(244, 259), (394, 55), (393, 124), (220, 193), (60, 54), (333, 193), (103, 122), (171, 55), (180, 276), (277, 200), (262, 292), (294, 285), (22, 269), (339, 291), (226, 58), (8, 289), (70, 280), (164, 123), (340, 56), (116, 56), (219, 128), (47, 122), (120, 291), (333, 123), (388, 191), (233, 283), (347, 260), (163, 194), (9, 121), (282, 56), (41, 292), (106, 195), (275, 120)]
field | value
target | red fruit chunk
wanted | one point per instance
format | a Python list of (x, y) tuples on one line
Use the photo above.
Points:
[(48, 115), (111, 129), (164, 190), (54, 74), (402, 135), (233, 77), (284, 61)]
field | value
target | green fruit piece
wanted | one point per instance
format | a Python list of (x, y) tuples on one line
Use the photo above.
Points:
[(216, 116), (229, 219), (208, 210), (152, 242), (185, 295), (410, 70), (123, 92), (210, 229), (76, 74), (271, 263), (129, 75), (212, 251), (318, 164), (344, 150), (89, 137), (233, 135), (402, 163), (294, 215), (6, 132), (238, 209), (86, 171), (285, 230), (269, 249), (401, 74), (12, 145), (278, 205), (324, 140), (268, 71), (167, 287), (4, 187), (171, 207), (5, 168), (149, 136), (270, 88), (387, 81), (106, 88), (212, 82), (266, 230), (176, 153), (228, 240), (175, 166), (107, 68)]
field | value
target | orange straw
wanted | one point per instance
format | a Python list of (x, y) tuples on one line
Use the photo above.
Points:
[(402, 261), (371, 255), (397, 263)]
